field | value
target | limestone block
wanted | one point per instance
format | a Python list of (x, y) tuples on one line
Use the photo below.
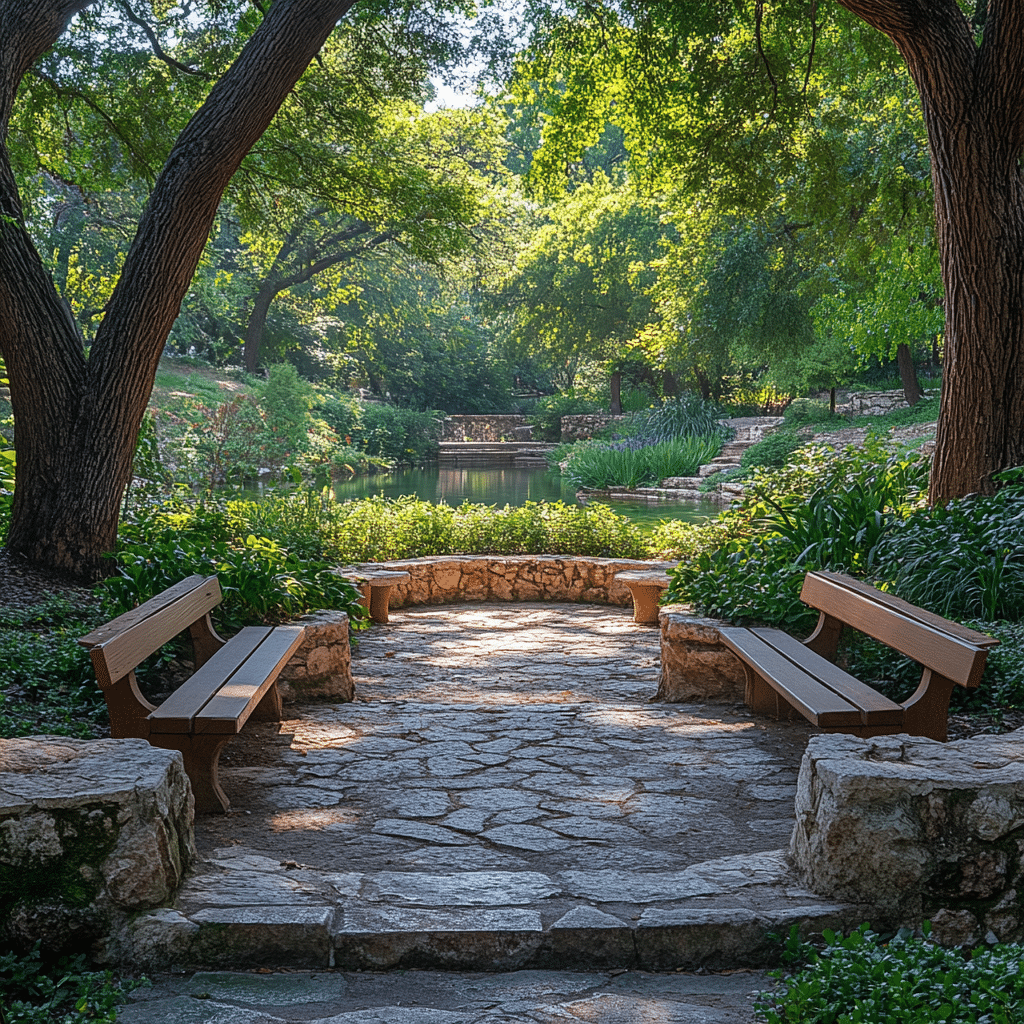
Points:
[(322, 666), (695, 664), (918, 828), (90, 828)]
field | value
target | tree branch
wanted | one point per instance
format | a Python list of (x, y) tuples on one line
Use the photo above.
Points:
[(157, 48)]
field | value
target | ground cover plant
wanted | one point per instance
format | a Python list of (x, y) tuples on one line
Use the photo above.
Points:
[(38, 989), (47, 684), (864, 978)]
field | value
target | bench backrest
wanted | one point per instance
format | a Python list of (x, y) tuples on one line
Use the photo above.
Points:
[(945, 647), (120, 645)]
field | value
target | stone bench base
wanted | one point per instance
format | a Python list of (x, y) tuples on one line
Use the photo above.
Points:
[(920, 829), (695, 663)]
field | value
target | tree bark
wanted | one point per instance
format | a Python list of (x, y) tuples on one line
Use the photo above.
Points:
[(615, 407), (77, 420), (971, 96), (908, 375)]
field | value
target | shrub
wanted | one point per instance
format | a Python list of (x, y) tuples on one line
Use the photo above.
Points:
[(772, 452), (825, 510), (803, 411), (962, 560), (868, 979), (400, 435), (260, 580), (285, 400), (634, 462), (686, 416)]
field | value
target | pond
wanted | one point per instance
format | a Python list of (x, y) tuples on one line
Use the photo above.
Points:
[(505, 485)]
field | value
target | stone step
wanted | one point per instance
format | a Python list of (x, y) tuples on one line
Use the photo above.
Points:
[(242, 907), (717, 467)]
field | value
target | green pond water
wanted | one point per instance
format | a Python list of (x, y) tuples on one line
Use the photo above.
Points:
[(505, 485)]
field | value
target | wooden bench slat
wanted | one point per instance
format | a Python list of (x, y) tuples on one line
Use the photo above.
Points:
[(815, 701), (965, 633), (151, 607), (235, 701), (177, 713), (939, 651), (876, 709), (125, 650)]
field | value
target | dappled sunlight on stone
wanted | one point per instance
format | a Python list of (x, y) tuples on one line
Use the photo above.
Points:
[(312, 818)]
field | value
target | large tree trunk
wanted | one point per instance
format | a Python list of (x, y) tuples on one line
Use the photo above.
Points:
[(973, 103), (77, 421)]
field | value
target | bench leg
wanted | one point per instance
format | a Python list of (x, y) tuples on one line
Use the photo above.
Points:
[(380, 598), (927, 711), (202, 757), (645, 603), (269, 707)]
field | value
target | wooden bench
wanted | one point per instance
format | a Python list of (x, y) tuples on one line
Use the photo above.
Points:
[(646, 587), (784, 675), (233, 680)]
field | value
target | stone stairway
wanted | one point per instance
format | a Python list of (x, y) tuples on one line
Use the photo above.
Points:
[(501, 795), (746, 432)]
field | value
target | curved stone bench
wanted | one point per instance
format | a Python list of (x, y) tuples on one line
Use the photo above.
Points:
[(449, 579)]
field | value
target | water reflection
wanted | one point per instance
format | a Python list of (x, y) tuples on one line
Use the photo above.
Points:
[(501, 485)]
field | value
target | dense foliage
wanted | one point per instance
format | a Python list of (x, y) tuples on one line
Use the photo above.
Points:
[(865, 978), (40, 989), (312, 526)]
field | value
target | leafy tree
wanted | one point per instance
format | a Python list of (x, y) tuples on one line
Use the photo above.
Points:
[(217, 78), (579, 293)]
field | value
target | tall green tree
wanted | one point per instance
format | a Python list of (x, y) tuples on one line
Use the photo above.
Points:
[(713, 90), (579, 292)]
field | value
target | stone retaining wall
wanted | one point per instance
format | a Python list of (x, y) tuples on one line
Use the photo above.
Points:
[(874, 403), (584, 425), (452, 578), (920, 829), (91, 831), (695, 664), (481, 428)]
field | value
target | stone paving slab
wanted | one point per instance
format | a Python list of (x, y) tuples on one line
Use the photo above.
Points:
[(425, 997), (501, 794)]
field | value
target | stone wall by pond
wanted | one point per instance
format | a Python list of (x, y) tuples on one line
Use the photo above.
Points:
[(695, 664), (584, 425), (482, 428), (91, 831), (449, 579), (920, 829)]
